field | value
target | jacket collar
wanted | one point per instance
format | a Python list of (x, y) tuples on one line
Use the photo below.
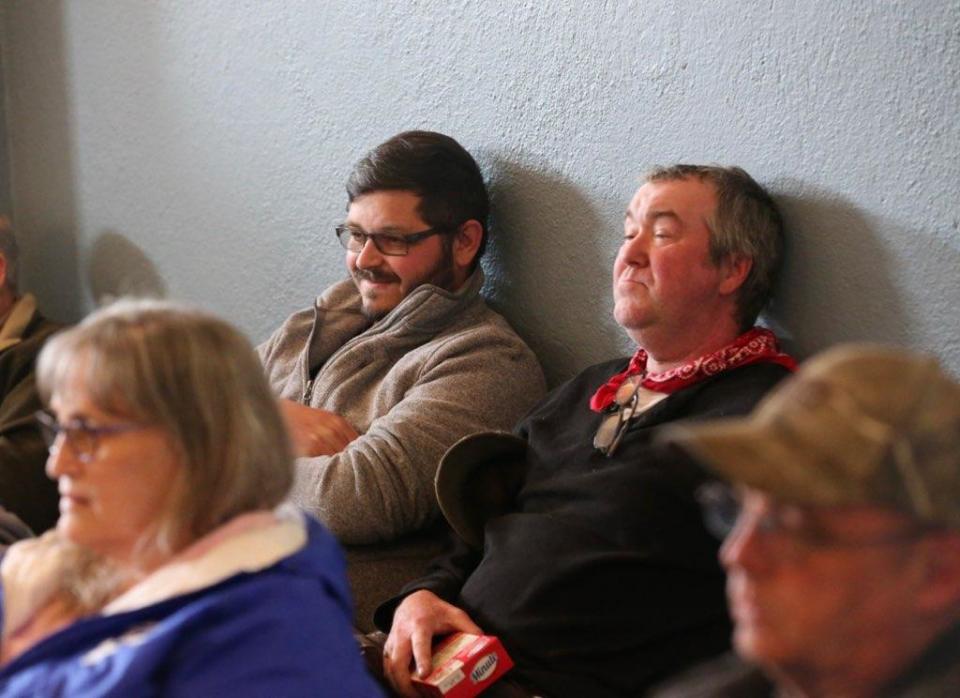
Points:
[(338, 318), (248, 543), (429, 307)]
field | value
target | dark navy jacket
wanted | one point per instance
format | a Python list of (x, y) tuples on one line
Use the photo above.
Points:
[(281, 631)]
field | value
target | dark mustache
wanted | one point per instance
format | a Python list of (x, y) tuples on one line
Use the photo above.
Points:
[(375, 276)]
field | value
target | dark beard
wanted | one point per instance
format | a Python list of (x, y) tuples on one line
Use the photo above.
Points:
[(440, 276)]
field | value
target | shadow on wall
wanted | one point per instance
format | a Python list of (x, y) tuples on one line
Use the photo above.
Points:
[(545, 265), (838, 281), (119, 268)]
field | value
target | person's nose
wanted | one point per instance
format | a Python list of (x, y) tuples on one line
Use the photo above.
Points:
[(61, 459), (636, 249), (369, 256), (744, 547)]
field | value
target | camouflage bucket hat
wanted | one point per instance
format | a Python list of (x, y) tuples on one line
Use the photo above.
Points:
[(858, 424)]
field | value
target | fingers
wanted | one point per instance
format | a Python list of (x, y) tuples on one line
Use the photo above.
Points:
[(306, 442), (316, 432), (460, 621), (339, 426), (396, 664), (319, 442), (422, 643), (419, 618), (339, 431), (330, 433)]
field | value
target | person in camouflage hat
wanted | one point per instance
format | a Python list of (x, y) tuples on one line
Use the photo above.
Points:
[(844, 561)]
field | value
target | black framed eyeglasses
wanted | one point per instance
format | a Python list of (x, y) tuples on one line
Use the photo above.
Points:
[(394, 245), (82, 438)]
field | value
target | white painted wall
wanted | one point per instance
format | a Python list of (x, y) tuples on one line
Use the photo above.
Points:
[(198, 148)]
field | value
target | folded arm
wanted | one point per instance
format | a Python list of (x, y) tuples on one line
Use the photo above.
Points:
[(380, 485), (316, 432)]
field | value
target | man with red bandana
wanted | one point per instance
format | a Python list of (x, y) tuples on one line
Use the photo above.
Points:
[(388, 368), (581, 545)]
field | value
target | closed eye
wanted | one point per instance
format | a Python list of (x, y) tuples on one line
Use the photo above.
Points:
[(663, 233)]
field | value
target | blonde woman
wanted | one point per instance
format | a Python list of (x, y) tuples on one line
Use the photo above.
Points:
[(171, 570)]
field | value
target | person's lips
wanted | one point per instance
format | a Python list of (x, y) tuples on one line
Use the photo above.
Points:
[(632, 277), (744, 606), (71, 500), (744, 611)]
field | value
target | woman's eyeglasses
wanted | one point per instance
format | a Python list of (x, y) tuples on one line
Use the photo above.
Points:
[(82, 438)]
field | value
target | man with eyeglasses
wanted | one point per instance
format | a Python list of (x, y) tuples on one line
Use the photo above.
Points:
[(844, 560), (391, 366), (25, 490), (582, 546)]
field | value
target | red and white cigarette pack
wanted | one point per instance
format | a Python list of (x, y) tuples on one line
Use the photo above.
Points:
[(464, 665)]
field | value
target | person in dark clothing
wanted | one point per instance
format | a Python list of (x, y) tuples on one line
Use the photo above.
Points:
[(592, 564), (25, 490)]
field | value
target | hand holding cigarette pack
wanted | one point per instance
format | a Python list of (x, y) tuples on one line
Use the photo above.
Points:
[(464, 665)]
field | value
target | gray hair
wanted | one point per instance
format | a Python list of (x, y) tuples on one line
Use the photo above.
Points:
[(197, 378), (747, 223)]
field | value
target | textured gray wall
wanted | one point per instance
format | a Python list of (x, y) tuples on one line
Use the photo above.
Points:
[(198, 148)]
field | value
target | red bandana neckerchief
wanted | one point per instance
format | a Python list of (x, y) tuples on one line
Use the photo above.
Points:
[(757, 345)]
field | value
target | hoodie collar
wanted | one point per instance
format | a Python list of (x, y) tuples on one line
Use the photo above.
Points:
[(247, 543), (429, 307)]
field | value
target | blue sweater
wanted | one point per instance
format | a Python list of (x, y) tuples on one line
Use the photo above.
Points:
[(282, 631)]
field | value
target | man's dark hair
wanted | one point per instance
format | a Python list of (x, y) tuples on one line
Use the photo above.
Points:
[(434, 167), (747, 223)]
